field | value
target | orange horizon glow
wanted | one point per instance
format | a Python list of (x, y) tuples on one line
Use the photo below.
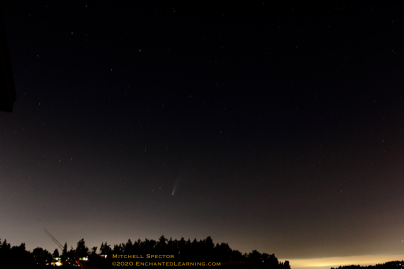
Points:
[(329, 262)]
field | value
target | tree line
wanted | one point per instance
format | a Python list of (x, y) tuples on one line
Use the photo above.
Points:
[(183, 250)]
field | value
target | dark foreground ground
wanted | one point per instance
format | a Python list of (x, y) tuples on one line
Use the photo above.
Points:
[(107, 267)]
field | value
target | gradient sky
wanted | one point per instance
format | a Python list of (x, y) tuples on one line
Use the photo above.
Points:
[(278, 125)]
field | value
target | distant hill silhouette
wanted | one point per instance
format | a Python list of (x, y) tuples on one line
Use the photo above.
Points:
[(387, 265)]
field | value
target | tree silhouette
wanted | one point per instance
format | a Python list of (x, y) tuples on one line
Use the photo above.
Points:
[(128, 247), (64, 253), (118, 249), (105, 249), (81, 249), (207, 248), (42, 256), (236, 256), (270, 261), (255, 256), (72, 255), (172, 247), (9, 255), (147, 246), (161, 245), (55, 253), (5, 246), (222, 252)]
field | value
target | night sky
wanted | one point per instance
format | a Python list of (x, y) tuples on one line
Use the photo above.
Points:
[(268, 125)]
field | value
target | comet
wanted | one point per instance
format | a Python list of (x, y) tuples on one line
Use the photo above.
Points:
[(175, 185)]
